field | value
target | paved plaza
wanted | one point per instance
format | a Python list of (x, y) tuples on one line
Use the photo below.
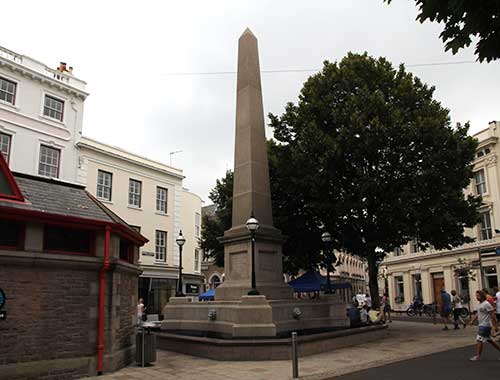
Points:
[(407, 340)]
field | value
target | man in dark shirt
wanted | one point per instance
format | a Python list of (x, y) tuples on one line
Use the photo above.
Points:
[(445, 308)]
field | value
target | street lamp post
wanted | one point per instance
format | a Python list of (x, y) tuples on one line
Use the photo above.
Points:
[(252, 226), (326, 237), (180, 242)]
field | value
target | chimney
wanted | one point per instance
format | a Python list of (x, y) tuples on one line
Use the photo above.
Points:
[(62, 67)]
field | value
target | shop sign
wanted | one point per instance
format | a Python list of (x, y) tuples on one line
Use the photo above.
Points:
[(192, 288)]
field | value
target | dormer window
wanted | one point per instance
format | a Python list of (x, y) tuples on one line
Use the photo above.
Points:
[(53, 108)]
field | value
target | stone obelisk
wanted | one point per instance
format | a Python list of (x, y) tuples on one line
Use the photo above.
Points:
[(251, 192)]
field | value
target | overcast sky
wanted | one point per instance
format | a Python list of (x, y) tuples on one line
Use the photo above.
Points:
[(126, 51)]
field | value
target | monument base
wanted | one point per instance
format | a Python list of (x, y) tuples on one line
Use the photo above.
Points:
[(269, 349), (253, 316)]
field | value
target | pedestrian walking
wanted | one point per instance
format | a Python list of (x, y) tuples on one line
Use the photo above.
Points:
[(445, 308), (456, 303), (386, 309), (140, 311), (486, 320), (497, 295)]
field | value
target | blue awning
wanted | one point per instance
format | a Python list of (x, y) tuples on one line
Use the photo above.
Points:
[(209, 295), (310, 281)]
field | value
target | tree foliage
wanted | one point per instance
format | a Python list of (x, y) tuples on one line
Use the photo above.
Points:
[(377, 161), (464, 20)]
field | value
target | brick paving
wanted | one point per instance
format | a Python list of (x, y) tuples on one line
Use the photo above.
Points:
[(406, 340)]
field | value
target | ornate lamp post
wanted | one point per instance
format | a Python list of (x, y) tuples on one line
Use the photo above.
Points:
[(180, 242), (252, 226), (326, 237)]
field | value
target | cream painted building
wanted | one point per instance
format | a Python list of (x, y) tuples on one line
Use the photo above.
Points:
[(192, 254), (41, 115), (149, 196), (410, 272)]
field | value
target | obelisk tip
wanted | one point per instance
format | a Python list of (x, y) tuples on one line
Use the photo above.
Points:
[(248, 31)]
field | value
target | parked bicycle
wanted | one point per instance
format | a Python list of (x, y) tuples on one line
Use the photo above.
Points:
[(418, 308)]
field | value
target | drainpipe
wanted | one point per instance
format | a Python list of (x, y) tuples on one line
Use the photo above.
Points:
[(102, 286)]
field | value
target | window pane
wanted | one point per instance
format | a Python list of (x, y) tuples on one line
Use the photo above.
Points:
[(134, 194), (67, 240), (7, 90), (104, 184), (49, 162), (53, 108), (5, 145), (10, 234)]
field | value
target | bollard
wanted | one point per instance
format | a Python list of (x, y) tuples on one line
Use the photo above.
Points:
[(143, 345), (295, 359)]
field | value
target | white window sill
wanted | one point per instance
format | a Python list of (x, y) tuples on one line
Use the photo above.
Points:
[(161, 213), (103, 200), (161, 263), (56, 121), (10, 105), (135, 208)]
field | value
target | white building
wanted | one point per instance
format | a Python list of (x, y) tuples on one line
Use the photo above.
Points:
[(41, 114)]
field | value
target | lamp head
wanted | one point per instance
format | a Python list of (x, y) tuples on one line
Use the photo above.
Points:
[(180, 239), (326, 237), (252, 224)]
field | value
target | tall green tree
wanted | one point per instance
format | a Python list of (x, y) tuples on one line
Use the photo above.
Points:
[(378, 161), (463, 20)]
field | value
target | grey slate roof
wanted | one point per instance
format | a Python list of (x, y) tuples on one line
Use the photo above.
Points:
[(57, 197)]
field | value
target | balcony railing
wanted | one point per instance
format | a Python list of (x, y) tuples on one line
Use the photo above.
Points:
[(40, 68)]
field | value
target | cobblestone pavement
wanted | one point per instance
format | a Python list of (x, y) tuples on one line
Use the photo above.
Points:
[(406, 340)]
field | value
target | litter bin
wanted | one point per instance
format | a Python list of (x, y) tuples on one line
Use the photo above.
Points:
[(145, 344)]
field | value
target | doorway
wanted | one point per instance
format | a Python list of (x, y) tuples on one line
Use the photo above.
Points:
[(438, 284)]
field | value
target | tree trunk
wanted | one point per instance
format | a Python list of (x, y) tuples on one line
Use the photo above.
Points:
[(373, 280)]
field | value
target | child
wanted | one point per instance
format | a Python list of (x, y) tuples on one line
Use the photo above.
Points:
[(486, 319)]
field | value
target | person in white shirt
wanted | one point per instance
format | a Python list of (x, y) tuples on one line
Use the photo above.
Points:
[(497, 296), (140, 311), (486, 320), (368, 301)]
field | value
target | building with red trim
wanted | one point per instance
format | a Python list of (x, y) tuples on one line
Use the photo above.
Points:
[(68, 268)]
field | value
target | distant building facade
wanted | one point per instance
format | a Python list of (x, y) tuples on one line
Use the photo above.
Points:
[(150, 197), (41, 114), (409, 272)]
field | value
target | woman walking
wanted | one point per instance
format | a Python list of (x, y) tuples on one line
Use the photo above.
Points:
[(457, 310)]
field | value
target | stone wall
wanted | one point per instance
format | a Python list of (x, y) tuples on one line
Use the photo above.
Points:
[(52, 303)]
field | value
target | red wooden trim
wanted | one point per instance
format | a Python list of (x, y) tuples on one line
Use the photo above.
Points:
[(102, 285), (18, 196), (70, 221)]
